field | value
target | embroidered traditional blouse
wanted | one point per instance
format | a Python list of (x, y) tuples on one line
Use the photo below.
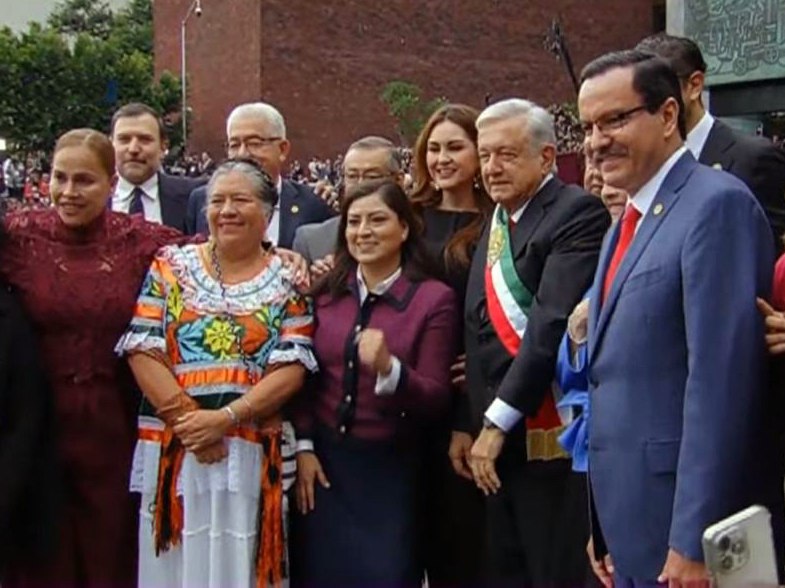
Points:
[(182, 312)]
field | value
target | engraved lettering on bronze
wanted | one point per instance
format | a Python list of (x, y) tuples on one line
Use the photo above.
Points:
[(741, 40)]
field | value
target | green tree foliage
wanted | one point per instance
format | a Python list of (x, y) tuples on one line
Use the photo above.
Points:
[(76, 17), (406, 105), (75, 71)]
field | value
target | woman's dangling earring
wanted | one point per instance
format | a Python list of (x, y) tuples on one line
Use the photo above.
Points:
[(476, 184)]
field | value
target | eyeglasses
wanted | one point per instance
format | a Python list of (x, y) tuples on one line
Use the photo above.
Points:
[(369, 176), (251, 143), (613, 122)]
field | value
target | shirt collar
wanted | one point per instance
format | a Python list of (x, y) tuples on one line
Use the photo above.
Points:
[(380, 288), (697, 137), (644, 197), (125, 188), (278, 187), (516, 216)]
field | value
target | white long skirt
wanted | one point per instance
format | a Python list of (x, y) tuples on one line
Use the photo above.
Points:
[(220, 514)]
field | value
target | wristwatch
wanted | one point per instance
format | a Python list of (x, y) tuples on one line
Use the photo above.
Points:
[(488, 423)]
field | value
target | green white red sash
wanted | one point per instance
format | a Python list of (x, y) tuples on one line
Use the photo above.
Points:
[(509, 302)]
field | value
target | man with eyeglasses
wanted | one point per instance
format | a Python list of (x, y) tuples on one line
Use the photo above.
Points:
[(370, 158), (258, 131), (754, 160), (677, 429)]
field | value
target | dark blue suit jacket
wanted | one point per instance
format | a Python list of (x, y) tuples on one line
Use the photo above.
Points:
[(173, 193), (757, 162), (676, 371), (298, 206)]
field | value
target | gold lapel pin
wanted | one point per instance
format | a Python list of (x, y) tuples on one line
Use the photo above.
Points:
[(658, 208), (717, 166), (295, 209)]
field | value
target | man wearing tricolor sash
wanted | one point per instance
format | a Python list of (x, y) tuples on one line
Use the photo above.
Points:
[(534, 262)]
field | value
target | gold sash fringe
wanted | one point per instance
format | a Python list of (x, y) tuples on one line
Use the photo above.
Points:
[(543, 444)]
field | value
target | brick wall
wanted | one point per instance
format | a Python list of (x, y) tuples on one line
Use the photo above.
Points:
[(324, 64)]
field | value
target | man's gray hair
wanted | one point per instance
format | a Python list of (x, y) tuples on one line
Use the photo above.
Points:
[(259, 110), (538, 122), (375, 142)]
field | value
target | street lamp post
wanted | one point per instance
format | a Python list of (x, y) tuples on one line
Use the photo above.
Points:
[(194, 8)]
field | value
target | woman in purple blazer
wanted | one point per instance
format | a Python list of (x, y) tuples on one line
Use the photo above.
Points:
[(386, 336)]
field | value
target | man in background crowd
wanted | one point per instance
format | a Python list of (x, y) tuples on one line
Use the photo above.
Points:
[(139, 141), (258, 131), (755, 160), (370, 158)]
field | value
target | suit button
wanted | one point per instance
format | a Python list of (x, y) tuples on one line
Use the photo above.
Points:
[(350, 365), (403, 414), (342, 430), (348, 398)]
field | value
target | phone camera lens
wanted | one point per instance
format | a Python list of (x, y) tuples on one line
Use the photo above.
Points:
[(738, 547), (725, 543), (726, 563)]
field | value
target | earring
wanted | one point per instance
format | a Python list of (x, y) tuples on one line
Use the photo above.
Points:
[(476, 184)]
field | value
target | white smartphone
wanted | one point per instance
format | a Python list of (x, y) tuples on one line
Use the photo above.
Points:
[(739, 550)]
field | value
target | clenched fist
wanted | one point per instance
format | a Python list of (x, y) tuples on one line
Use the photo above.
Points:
[(372, 351)]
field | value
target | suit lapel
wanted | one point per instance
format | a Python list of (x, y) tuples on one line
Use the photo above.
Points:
[(608, 246), (286, 226), (167, 212), (532, 216), (718, 145), (475, 291), (663, 202)]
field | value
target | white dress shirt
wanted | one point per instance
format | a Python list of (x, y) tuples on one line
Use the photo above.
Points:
[(274, 226), (644, 198), (123, 195), (696, 138)]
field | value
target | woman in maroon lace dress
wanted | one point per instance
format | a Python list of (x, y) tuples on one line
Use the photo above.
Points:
[(78, 268)]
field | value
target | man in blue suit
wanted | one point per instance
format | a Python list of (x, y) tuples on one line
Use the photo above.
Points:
[(676, 346), (257, 130)]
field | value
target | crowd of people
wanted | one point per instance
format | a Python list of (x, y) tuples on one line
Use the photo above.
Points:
[(440, 365), (568, 140)]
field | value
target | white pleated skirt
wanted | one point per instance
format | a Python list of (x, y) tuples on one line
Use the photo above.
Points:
[(220, 517)]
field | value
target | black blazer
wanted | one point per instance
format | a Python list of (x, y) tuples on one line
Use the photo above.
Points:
[(29, 483), (298, 206), (556, 245), (757, 162), (173, 193)]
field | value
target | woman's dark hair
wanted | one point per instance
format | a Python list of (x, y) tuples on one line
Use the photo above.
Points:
[(459, 249), (653, 79), (414, 258)]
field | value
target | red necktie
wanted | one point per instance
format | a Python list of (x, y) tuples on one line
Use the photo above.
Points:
[(628, 223)]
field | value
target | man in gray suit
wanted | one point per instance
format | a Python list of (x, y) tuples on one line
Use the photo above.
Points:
[(370, 158)]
